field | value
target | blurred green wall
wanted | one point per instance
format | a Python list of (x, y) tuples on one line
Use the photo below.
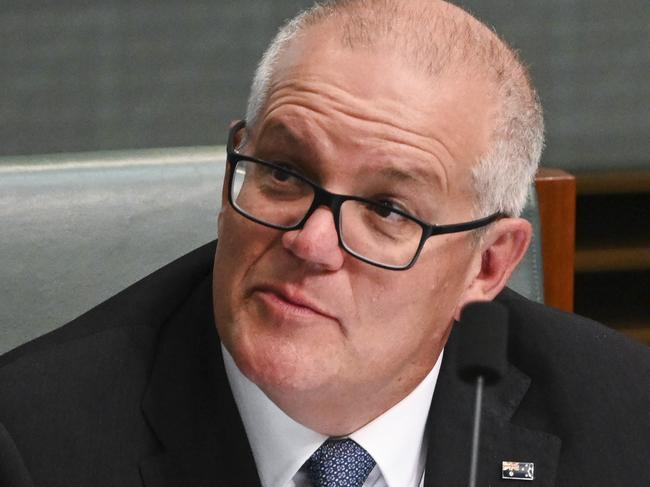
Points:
[(80, 76)]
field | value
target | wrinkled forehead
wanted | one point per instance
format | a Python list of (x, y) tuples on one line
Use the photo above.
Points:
[(425, 67), (452, 109), (428, 36)]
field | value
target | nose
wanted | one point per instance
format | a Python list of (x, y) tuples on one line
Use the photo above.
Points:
[(317, 241)]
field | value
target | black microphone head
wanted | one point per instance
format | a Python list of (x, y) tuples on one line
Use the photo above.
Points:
[(483, 341)]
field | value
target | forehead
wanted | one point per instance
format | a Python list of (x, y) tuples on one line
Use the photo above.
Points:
[(370, 99)]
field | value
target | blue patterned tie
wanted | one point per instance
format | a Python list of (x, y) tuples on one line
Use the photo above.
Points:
[(339, 463)]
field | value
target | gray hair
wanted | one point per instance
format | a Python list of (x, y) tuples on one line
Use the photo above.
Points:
[(435, 43)]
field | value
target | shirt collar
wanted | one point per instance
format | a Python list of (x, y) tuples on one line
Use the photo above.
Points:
[(281, 445)]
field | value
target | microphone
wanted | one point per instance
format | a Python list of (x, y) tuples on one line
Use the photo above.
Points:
[(482, 357)]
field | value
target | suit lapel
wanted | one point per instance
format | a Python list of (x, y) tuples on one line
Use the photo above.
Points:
[(450, 425), (190, 407)]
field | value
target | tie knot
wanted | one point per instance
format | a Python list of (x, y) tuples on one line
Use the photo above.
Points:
[(339, 463)]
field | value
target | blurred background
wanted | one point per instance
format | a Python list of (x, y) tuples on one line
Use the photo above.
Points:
[(82, 76)]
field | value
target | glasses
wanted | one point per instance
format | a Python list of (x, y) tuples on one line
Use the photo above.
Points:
[(372, 231)]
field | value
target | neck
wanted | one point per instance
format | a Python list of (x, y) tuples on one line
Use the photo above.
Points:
[(342, 411)]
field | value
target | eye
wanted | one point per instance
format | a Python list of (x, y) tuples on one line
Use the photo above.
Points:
[(280, 175), (385, 207), (278, 181)]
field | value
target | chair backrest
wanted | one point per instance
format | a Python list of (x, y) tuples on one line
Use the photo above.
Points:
[(546, 273), (528, 278), (556, 191), (79, 228)]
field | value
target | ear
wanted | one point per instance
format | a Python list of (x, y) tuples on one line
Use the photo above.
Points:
[(239, 135), (224, 189), (502, 247), (226, 178)]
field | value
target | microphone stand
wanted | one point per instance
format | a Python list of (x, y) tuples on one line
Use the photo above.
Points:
[(482, 359), (476, 431)]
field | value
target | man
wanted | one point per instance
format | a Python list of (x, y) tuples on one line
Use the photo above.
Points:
[(371, 193)]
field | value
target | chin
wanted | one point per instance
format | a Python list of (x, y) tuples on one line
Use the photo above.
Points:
[(279, 365)]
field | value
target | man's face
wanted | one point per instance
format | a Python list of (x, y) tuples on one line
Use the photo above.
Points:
[(301, 317)]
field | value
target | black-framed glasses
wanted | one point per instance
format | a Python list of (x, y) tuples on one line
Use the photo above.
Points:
[(372, 231)]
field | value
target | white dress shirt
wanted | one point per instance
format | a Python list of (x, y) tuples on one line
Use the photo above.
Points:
[(281, 446)]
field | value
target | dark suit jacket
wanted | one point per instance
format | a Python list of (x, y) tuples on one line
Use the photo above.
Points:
[(134, 393)]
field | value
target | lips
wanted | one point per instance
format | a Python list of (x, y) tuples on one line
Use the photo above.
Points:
[(289, 301)]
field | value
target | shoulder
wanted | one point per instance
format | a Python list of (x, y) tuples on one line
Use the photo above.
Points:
[(74, 396), (540, 333), (117, 337), (144, 305), (589, 385)]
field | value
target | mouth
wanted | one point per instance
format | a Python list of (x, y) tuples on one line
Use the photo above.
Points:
[(289, 303)]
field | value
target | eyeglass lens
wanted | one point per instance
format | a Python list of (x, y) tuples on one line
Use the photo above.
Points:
[(278, 198)]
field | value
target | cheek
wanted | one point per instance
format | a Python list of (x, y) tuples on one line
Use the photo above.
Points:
[(393, 315), (226, 270), (415, 306), (241, 243), (451, 277), (240, 246)]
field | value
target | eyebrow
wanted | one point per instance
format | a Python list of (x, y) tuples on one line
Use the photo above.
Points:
[(277, 129), (399, 175)]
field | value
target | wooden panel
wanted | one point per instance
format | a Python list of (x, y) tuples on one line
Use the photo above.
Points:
[(641, 333), (556, 192), (613, 182), (619, 257)]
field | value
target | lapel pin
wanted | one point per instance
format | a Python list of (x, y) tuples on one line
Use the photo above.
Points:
[(517, 470)]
